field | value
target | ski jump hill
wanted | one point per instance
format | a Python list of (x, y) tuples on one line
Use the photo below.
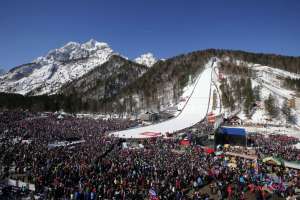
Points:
[(193, 112)]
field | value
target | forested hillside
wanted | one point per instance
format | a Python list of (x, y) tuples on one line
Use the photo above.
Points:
[(122, 86), (105, 80)]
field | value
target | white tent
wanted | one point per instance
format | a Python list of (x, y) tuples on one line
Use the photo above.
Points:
[(297, 146)]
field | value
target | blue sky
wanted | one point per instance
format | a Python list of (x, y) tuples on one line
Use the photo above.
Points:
[(30, 28)]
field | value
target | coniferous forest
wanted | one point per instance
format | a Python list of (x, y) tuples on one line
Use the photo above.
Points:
[(175, 72)]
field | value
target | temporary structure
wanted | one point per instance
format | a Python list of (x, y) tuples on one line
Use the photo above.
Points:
[(272, 160), (209, 150), (184, 142)]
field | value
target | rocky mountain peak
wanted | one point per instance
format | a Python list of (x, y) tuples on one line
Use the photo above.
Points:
[(147, 59)]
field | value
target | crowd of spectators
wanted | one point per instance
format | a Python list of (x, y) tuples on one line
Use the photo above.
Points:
[(99, 168), (277, 145)]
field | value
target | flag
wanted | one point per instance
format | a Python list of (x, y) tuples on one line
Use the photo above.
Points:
[(152, 193)]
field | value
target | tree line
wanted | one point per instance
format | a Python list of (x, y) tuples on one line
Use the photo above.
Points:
[(72, 104), (293, 84), (150, 87)]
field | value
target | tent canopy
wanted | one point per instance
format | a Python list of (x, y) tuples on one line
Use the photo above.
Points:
[(236, 131), (184, 142), (209, 150)]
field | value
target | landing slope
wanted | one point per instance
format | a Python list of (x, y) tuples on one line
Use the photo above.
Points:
[(194, 111)]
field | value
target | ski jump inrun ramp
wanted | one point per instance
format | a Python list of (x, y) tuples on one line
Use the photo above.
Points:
[(194, 111)]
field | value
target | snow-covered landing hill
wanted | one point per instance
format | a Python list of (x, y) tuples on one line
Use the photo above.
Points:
[(47, 74), (194, 110)]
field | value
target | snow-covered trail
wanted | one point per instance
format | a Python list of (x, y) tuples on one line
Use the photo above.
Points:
[(194, 111)]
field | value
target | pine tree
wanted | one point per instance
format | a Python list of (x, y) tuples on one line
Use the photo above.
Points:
[(271, 107), (249, 96), (231, 101), (256, 92), (286, 110), (226, 100)]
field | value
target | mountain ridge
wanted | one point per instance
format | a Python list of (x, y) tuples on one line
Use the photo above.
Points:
[(161, 86), (48, 74)]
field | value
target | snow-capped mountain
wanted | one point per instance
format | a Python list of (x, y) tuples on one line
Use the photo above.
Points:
[(106, 80), (147, 59), (46, 74)]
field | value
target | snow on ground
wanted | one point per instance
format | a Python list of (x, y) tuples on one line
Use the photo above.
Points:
[(259, 116), (297, 146), (269, 86), (290, 131), (92, 116), (265, 69), (187, 92), (176, 109), (275, 71), (194, 111), (269, 79), (284, 93)]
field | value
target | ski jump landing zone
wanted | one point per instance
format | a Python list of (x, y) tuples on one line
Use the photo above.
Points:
[(194, 111)]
